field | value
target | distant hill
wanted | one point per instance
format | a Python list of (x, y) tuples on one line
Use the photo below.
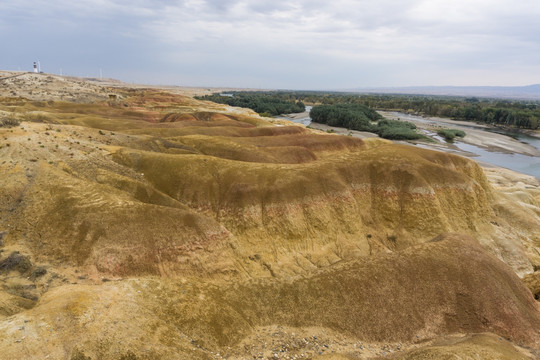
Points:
[(506, 92)]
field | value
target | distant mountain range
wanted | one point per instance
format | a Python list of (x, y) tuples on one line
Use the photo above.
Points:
[(531, 92)]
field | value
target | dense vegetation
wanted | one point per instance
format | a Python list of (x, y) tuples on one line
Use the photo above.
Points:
[(362, 118), (519, 114), (450, 134), (512, 113), (351, 116), (265, 103)]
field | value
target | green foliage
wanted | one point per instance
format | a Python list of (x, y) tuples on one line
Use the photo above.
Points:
[(519, 114), (362, 118), (350, 116), (512, 113), (450, 134), (397, 130), (265, 103)]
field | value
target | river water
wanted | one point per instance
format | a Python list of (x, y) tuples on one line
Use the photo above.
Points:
[(518, 162)]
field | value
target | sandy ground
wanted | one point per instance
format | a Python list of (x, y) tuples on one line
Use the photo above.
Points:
[(49, 87), (502, 178), (343, 131)]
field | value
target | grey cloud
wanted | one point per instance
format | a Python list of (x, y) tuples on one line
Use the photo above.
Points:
[(357, 40)]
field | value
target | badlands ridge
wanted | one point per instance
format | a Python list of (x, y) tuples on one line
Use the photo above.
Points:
[(139, 223)]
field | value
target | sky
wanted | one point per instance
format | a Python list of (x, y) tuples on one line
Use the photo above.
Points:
[(275, 44)]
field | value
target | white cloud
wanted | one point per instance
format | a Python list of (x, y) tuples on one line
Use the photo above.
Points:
[(403, 40)]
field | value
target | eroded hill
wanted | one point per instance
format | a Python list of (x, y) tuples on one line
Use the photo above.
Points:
[(152, 225)]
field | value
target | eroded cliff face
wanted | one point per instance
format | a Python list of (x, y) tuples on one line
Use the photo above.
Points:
[(215, 224), (356, 201), (387, 301), (352, 199)]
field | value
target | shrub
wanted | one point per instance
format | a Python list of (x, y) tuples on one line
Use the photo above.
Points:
[(398, 133), (397, 130), (38, 117), (9, 122), (362, 118), (450, 134)]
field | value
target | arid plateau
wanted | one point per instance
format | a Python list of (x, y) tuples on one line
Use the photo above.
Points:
[(139, 223)]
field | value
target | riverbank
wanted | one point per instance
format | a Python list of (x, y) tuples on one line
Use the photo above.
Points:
[(476, 135), (481, 144), (342, 131), (489, 141), (507, 181)]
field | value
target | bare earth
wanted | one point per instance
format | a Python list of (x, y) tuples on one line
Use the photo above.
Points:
[(156, 226)]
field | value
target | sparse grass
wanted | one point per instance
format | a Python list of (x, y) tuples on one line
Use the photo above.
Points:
[(79, 355), (38, 117), (9, 122)]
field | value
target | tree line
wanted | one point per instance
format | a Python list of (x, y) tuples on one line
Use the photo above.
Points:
[(264, 103), (524, 114), (360, 117), (511, 113)]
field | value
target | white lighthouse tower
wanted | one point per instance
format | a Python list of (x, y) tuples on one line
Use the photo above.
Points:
[(35, 67)]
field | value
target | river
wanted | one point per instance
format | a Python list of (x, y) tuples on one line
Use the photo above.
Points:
[(513, 160)]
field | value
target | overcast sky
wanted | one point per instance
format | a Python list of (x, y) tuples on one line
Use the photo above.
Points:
[(291, 44)]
